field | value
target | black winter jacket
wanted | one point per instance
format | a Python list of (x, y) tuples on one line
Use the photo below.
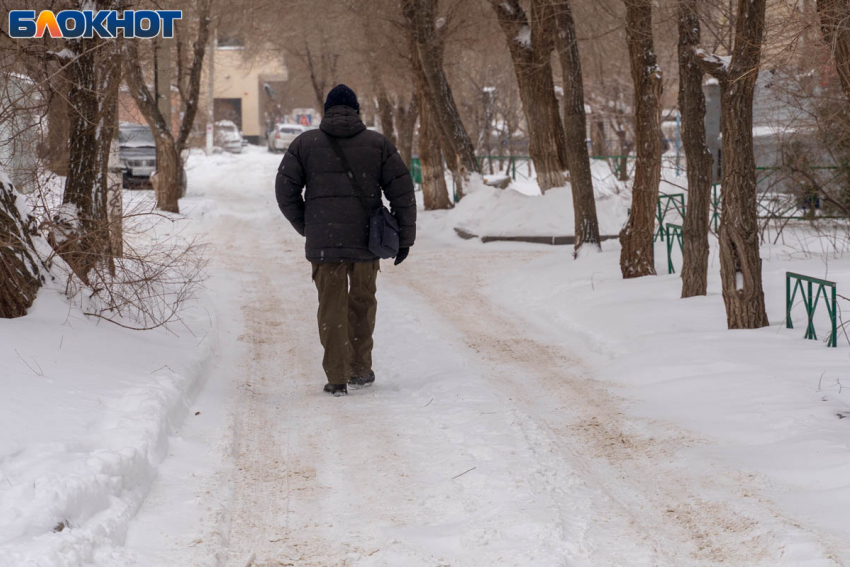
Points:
[(330, 214)]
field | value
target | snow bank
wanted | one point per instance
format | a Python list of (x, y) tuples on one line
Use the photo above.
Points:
[(86, 414), (521, 210)]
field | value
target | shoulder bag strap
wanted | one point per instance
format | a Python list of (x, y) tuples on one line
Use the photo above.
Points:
[(349, 172)]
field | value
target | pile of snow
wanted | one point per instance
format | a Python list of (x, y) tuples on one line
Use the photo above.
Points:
[(521, 210)]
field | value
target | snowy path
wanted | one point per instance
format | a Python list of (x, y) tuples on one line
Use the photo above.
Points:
[(485, 441)]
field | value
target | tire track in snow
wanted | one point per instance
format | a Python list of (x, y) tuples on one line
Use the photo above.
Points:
[(687, 517)]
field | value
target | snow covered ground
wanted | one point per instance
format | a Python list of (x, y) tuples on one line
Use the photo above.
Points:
[(85, 416), (530, 409)]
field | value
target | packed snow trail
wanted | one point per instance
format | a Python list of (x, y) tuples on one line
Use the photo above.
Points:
[(485, 440)]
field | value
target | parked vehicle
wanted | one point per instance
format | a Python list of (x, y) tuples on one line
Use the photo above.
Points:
[(137, 151), (228, 137), (282, 135)]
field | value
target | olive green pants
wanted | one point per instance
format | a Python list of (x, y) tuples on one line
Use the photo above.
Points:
[(347, 309)]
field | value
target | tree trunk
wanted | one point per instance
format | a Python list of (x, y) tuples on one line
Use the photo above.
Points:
[(600, 144), (435, 194), (428, 46), (20, 266), (740, 263), (623, 160), (636, 257), (406, 123), (318, 86), (575, 127), (386, 114), (109, 186), (55, 152), (81, 238), (692, 109), (835, 26), (531, 47), (193, 95)]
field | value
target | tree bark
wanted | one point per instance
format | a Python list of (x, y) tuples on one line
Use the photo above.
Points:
[(428, 46), (55, 152), (835, 26), (692, 109), (81, 238), (636, 257), (575, 128), (109, 186), (530, 45), (20, 266), (406, 117), (435, 194), (740, 263)]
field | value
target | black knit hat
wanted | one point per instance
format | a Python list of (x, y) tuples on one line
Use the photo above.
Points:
[(341, 95)]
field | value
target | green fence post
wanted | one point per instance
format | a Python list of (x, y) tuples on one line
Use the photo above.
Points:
[(788, 301), (659, 216), (675, 233), (513, 168), (670, 269), (810, 329), (833, 339)]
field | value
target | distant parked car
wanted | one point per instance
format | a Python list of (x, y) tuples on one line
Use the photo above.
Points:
[(228, 137), (137, 151), (282, 135)]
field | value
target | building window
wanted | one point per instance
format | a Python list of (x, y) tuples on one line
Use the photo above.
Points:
[(225, 41)]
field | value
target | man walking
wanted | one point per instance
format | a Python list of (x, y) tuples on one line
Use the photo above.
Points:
[(332, 216)]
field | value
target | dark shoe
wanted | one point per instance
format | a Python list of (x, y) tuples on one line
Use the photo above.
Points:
[(362, 381), (336, 390)]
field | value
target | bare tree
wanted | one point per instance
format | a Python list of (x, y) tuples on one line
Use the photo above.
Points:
[(530, 42), (692, 109), (91, 68), (427, 45), (575, 127), (21, 269), (322, 68), (835, 25), (740, 264), (168, 181), (636, 257), (435, 194)]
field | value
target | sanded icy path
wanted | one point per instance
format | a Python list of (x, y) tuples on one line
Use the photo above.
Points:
[(485, 441)]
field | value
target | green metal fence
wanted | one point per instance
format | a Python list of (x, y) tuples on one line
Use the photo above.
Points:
[(665, 204), (677, 232), (810, 302), (508, 164)]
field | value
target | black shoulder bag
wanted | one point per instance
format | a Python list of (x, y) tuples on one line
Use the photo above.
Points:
[(383, 227)]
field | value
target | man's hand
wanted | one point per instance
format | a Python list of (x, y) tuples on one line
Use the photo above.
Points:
[(402, 254)]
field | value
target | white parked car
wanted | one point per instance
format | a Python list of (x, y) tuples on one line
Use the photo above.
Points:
[(282, 135), (228, 137)]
